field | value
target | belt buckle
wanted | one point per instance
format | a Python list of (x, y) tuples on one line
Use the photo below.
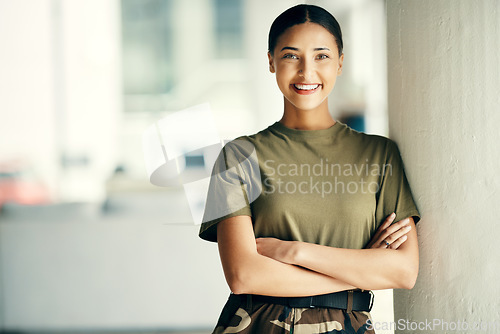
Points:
[(311, 302), (372, 299)]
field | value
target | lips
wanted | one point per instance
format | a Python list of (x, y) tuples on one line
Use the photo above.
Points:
[(306, 89)]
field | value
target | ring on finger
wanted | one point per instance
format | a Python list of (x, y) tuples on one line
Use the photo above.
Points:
[(386, 243)]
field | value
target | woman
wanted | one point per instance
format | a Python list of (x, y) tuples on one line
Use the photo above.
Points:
[(303, 211)]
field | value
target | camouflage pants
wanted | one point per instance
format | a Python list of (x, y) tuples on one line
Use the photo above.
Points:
[(262, 318)]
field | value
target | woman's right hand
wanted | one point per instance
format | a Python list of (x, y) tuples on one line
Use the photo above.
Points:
[(390, 236)]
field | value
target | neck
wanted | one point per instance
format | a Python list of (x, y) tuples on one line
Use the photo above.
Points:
[(315, 119)]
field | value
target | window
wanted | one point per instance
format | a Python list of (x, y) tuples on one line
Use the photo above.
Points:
[(148, 64), (156, 76)]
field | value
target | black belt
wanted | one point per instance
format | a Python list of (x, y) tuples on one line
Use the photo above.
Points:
[(351, 300)]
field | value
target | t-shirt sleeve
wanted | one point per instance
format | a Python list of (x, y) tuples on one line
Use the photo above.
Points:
[(234, 184), (395, 193)]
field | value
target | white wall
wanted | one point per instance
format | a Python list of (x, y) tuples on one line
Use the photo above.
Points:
[(444, 84)]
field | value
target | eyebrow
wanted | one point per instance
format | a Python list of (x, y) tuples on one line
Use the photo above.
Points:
[(296, 49)]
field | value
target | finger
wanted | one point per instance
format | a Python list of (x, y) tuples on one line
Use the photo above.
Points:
[(383, 244), (398, 234), (394, 241), (387, 222), (389, 239), (400, 225), (376, 239), (398, 242), (263, 239), (385, 230)]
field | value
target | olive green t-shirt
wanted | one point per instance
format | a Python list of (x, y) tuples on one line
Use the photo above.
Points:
[(332, 187)]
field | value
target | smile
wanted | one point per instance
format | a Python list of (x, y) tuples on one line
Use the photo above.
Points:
[(305, 89)]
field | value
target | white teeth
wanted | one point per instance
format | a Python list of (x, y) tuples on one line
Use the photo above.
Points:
[(306, 87)]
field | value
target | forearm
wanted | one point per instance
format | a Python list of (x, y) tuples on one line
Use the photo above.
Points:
[(264, 276), (247, 271), (369, 269)]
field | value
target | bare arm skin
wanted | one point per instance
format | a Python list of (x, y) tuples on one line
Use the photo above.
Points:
[(371, 269), (247, 271)]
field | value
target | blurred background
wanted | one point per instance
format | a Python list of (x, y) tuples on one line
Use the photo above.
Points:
[(87, 243)]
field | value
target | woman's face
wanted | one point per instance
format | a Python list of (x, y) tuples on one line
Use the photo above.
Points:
[(306, 63)]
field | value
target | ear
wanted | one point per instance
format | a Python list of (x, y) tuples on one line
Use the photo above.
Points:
[(271, 63), (341, 61)]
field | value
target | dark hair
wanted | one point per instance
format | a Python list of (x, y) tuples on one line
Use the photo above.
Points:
[(302, 14)]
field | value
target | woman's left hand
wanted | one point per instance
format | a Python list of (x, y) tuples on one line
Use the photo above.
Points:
[(389, 234), (276, 249)]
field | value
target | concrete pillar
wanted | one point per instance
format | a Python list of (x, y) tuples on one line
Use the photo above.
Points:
[(444, 88)]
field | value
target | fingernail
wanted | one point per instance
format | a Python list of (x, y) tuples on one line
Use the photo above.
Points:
[(393, 214), (404, 238), (408, 227)]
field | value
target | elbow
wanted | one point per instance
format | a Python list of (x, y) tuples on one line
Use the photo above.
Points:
[(245, 276), (237, 286), (408, 278), (239, 282)]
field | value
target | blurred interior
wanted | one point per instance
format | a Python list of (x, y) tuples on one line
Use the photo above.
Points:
[(87, 242)]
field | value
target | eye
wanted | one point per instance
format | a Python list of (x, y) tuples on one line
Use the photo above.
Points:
[(290, 56), (322, 56)]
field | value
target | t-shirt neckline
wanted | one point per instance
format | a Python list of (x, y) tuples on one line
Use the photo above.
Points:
[(305, 134)]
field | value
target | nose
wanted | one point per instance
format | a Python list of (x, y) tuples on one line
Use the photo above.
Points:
[(306, 67)]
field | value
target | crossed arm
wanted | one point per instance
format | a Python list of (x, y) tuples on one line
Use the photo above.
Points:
[(269, 266)]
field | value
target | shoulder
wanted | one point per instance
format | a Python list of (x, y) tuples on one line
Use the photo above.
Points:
[(262, 136), (246, 144), (367, 141), (242, 149)]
